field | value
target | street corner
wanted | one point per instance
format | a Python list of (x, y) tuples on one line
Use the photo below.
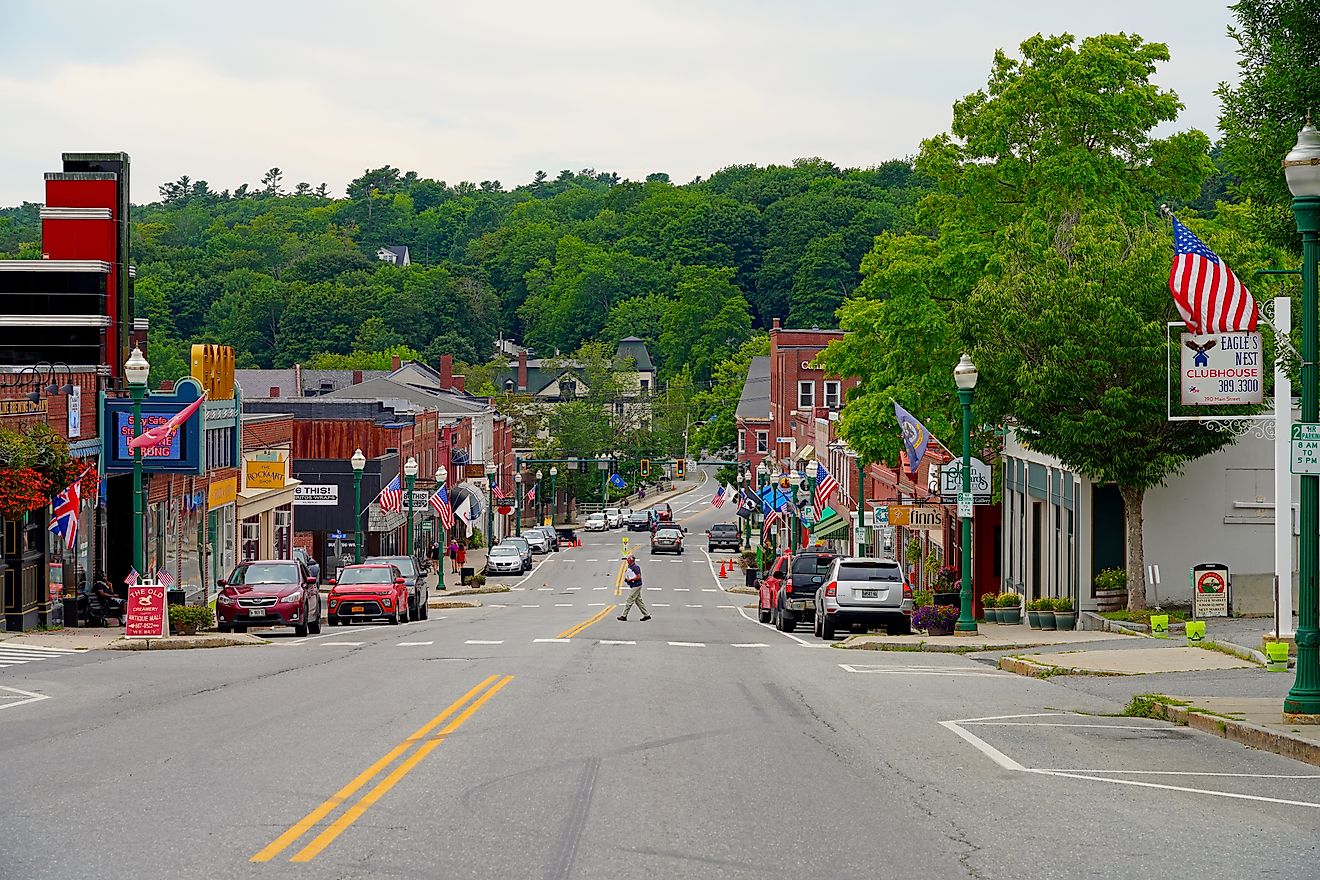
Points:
[(1133, 661), (1139, 753), (183, 643)]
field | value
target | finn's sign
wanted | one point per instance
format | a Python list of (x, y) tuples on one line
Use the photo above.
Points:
[(1221, 368)]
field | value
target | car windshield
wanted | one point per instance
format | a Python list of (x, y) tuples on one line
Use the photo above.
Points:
[(611, 511), (870, 571), (812, 563), (264, 573), (516, 542), (596, 516), (638, 517), (504, 550), (374, 575), (669, 533), (403, 563), (533, 536)]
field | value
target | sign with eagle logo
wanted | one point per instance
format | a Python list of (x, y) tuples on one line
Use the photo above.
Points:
[(1220, 369)]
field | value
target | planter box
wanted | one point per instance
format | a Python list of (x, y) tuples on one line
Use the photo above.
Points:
[(1065, 620), (1046, 619), (1111, 600)]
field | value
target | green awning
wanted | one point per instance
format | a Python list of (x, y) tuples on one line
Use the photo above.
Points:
[(832, 524)]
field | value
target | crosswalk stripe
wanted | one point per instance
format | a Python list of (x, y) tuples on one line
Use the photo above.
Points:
[(42, 649), (11, 660), (413, 644), (27, 655)]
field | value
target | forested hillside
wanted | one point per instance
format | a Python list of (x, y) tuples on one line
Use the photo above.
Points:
[(288, 275)]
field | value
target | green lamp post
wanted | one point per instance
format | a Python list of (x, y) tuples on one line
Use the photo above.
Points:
[(861, 505), (490, 504), (964, 376), (359, 461), (136, 371), (441, 477), (762, 477), (554, 472), (540, 498), (1302, 169), (410, 477), (517, 499)]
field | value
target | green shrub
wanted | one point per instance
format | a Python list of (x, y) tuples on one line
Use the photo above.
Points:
[(1008, 600), (1111, 579), (1063, 603), (476, 541), (188, 616), (922, 598)]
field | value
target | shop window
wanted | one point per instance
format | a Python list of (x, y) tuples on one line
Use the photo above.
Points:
[(284, 532), (762, 442), (832, 394), (250, 546)]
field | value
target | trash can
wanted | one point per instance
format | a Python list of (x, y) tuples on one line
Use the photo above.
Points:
[(465, 574), (176, 597)]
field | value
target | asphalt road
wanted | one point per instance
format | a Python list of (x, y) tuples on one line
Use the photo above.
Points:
[(538, 737)]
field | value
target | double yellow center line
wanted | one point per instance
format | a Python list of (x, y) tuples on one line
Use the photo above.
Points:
[(460, 710), (595, 618)]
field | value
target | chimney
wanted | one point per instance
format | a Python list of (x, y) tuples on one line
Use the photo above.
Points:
[(460, 382), (775, 324), (357, 377), (274, 391), (446, 371), (395, 363), (522, 369)]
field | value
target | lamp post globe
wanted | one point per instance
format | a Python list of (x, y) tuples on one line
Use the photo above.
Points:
[(964, 377), (359, 462), (1301, 168), (137, 371)]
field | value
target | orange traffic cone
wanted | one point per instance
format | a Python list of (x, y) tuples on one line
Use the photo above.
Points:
[(723, 572)]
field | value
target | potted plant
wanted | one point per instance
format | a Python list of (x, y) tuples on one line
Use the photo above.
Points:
[(990, 607), (1033, 613), (1010, 608), (922, 598), (1046, 612), (1065, 615), (936, 620), (188, 619), (1111, 589)]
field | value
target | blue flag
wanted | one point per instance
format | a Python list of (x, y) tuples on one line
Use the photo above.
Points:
[(618, 482), (915, 437)]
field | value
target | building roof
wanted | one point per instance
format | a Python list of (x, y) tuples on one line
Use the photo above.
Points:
[(755, 400), (257, 383), (327, 408), (635, 348), (410, 397)]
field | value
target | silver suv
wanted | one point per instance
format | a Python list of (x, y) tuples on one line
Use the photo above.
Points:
[(867, 591)]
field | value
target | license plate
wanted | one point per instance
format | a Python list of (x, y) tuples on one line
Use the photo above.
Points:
[(256, 612), (870, 594), (799, 606), (357, 609)]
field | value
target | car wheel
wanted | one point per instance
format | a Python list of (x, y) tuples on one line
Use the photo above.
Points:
[(224, 629), (710, 549), (786, 622), (899, 628), (331, 620), (239, 628), (404, 616), (394, 619), (426, 607), (314, 627), (826, 627), (762, 614), (300, 629)]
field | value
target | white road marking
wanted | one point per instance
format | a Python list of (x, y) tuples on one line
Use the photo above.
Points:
[(483, 642), (615, 642), (687, 644), (497, 605), (563, 604), (653, 589), (595, 604), (726, 606), (544, 589), (803, 642), (413, 644), (294, 644), (709, 590), (600, 588), (751, 645), (14, 697), (694, 606), (682, 590), (531, 606), (572, 589), (952, 672), (591, 560), (660, 604), (556, 641), (345, 644), (40, 650)]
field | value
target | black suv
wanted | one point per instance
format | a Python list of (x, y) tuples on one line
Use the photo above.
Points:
[(639, 521), (724, 535)]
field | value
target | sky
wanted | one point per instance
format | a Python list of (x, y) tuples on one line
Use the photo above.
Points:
[(497, 90)]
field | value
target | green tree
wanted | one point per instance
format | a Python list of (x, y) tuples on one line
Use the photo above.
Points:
[(708, 321)]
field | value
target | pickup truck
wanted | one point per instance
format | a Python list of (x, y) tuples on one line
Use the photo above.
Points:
[(723, 535), (788, 592)]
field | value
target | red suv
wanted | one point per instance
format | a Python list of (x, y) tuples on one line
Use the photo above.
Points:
[(271, 592), (369, 592), (788, 591)]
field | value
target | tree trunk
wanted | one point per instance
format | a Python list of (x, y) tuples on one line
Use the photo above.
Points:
[(1136, 552)]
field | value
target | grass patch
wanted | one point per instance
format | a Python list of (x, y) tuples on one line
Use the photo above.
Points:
[(1227, 651), (1143, 617), (476, 591), (1149, 706)]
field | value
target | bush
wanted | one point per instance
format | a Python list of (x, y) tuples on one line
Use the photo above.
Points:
[(922, 598), (191, 616), (477, 581), (1040, 605), (989, 600), (1008, 600), (476, 541), (934, 616), (1063, 603), (1111, 579)]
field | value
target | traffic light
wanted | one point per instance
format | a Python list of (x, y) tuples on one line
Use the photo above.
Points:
[(680, 468), (646, 467)]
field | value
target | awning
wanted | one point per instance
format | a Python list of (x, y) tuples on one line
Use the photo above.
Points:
[(830, 526), (255, 501)]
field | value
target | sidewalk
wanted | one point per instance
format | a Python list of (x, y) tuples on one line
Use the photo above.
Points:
[(112, 638), (989, 637), (1257, 722)]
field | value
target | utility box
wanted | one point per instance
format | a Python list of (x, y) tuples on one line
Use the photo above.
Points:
[(1211, 590)]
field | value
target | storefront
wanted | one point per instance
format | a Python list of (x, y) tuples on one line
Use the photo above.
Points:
[(221, 527), (265, 506)]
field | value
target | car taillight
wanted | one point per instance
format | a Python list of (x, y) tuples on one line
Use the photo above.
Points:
[(788, 586), (832, 588), (907, 590)]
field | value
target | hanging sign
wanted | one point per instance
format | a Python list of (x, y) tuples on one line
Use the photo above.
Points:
[(1221, 369), (946, 479)]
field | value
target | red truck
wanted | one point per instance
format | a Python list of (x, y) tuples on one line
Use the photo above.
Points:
[(788, 590)]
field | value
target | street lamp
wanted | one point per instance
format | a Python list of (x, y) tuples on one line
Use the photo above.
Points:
[(554, 472), (517, 501), (540, 498), (136, 370), (1302, 169), (964, 376), (359, 461), (441, 477), (762, 475), (490, 504), (410, 474)]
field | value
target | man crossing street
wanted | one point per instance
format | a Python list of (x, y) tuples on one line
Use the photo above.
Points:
[(633, 578)]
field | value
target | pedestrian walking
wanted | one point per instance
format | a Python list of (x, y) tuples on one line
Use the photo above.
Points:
[(453, 555), (632, 576), (461, 555)]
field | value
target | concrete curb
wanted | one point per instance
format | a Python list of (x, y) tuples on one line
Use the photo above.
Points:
[(928, 647), (479, 591), (1242, 732), (1239, 651), (183, 643), (1031, 669), (455, 603)]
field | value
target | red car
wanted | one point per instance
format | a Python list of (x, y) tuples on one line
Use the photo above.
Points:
[(368, 592), (788, 591), (272, 592)]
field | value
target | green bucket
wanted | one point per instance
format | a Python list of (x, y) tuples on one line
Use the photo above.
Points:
[(1277, 655), (1195, 632), (1159, 626)]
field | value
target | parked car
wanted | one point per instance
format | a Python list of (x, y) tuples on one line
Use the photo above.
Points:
[(537, 540), (368, 592), (724, 536), (274, 592), (550, 535), (309, 562), (504, 559), (596, 522), (413, 579), (614, 517), (867, 591), (640, 521), (787, 594), (567, 535), (523, 547), (667, 538)]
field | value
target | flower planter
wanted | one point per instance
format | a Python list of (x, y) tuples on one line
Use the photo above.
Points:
[(940, 630), (1033, 619), (1111, 600), (991, 614), (1010, 615), (1046, 619), (1065, 620)]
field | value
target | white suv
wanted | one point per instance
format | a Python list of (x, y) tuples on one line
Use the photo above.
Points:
[(597, 522), (863, 590), (613, 517)]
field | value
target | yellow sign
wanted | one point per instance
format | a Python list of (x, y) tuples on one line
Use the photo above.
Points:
[(222, 492), (263, 474), (213, 367), (910, 517), (22, 407)]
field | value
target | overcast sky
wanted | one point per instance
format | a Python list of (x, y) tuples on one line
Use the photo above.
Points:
[(497, 90)]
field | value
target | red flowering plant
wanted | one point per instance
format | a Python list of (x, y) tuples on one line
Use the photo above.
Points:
[(34, 465)]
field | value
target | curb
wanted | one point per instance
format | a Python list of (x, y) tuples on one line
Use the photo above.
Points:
[(1031, 669), (459, 603), (182, 643), (1241, 732), (927, 647)]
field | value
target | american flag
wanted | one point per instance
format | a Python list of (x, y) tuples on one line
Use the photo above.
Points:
[(718, 500), (768, 527), (499, 493), (391, 497), (531, 494), (1208, 295), (164, 577), (440, 503), (132, 577), (66, 507), (826, 486)]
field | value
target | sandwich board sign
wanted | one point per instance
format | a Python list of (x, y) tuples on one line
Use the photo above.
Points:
[(1210, 590), (145, 615)]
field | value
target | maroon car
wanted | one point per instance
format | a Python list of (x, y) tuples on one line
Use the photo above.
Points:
[(269, 592)]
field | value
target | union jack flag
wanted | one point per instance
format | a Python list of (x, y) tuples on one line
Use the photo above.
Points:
[(132, 577), (391, 497), (66, 507), (440, 503), (718, 500), (826, 486), (164, 577), (499, 493)]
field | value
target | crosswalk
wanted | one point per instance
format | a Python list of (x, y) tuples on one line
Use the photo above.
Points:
[(12, 655)]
